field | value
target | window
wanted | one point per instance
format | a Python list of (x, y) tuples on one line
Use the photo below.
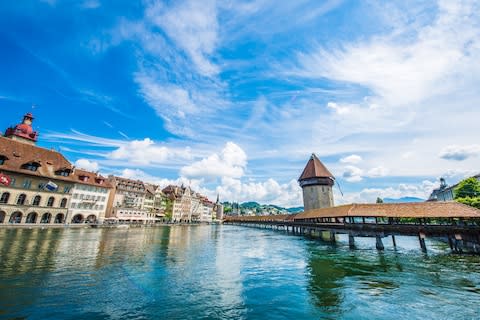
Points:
[(36, 201), (66, 189), (81, 196), (27, 184), (75, 196), (73, 205), (4, 198), (63, 204), (12, 182), (63, 172), (21, 199), (32, 166), (2, 160), (50, 202)]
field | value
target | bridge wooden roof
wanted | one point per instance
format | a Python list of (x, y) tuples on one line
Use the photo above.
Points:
[(439, 209)]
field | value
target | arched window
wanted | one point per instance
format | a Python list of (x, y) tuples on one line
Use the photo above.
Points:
[(31, 218), (16, 217), (50, 202), (21, 199), (32, 166), (36, 201), (46, 218), (63, 204), (5, 197)]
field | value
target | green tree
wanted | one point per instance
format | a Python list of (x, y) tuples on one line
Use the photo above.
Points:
[(168, 208), (468, 188), (474, 202), (379, 200), (468, 192)]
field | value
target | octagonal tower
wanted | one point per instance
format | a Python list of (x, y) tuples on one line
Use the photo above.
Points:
[(316, 182)]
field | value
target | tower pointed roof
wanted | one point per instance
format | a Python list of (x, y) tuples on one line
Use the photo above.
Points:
[(315, 169)]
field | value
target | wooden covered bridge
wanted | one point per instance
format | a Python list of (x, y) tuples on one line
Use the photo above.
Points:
[(454, 222)]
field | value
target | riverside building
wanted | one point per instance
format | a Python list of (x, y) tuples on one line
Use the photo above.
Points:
[(35, 183), (90, 195), (126, 203)]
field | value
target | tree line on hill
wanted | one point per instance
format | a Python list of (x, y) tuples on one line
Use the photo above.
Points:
[(468, 192), (254, 208)]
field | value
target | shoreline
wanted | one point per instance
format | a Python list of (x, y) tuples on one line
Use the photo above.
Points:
[(97, 226)]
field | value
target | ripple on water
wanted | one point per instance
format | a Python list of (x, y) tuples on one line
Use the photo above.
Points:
[(226, 272)]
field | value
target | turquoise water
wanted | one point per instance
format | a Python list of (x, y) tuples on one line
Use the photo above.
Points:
[(228, 272)]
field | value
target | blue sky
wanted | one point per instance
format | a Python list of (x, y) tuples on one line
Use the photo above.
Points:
[(232, 97)]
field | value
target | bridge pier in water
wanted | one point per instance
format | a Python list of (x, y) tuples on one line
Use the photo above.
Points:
[(351, 241), (379, 244)]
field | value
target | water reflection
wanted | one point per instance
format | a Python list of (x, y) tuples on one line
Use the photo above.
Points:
[(225, 272)]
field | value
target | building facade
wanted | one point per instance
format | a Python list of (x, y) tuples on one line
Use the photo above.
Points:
[(445, 192), (126, 202), (90, 196), (35, 183)]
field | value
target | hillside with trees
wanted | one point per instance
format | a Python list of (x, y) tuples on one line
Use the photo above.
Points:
[(468, 192)]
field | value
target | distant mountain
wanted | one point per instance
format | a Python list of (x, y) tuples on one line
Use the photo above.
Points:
[(250, 205), (295, 209), (403, 199)]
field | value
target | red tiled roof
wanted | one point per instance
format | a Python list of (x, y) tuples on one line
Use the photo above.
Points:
[(94, 179), (315, 169), (19, 153)]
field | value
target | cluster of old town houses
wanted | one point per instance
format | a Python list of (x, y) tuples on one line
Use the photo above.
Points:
[(40, 186)]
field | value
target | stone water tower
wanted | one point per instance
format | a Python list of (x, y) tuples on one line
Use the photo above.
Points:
[(316, 182)]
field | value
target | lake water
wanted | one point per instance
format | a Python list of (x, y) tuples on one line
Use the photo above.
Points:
[(228, 272)]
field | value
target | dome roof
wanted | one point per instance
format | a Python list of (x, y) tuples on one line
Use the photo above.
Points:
[(24, 128)]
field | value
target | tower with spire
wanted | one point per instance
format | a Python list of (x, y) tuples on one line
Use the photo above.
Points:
[(316, 182)]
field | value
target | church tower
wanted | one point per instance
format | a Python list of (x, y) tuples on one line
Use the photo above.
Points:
[(316, 182)]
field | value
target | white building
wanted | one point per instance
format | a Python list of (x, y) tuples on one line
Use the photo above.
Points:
[(90, 196)]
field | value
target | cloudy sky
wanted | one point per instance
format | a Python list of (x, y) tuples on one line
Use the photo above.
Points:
[(232, 97)]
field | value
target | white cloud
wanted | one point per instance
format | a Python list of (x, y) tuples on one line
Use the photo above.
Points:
[(146, 152), (231, 162), (459, 153), (340, 109), (369, 195), (377, 172), (352, 174), (406, 66), (87, 165), (267, 192), (353, 159), (168, 100), (193, 26)]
